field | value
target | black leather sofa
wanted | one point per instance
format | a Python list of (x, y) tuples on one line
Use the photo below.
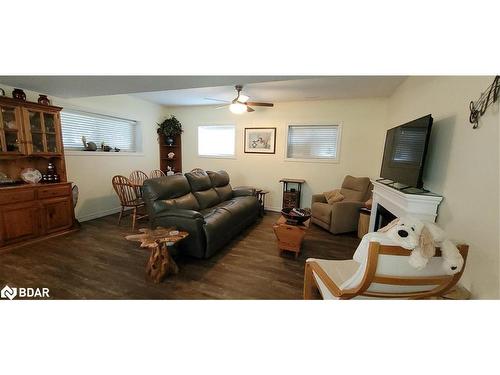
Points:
[(203, 204)]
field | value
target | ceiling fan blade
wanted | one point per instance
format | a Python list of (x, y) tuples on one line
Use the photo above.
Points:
[(218, 100), (222, 106), (257, 104), (250, 109)]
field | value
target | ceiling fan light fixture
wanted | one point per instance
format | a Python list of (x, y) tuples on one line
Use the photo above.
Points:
[(243, 98), (238, 108)]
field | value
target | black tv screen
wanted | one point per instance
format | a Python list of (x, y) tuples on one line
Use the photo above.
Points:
[(405, 151)]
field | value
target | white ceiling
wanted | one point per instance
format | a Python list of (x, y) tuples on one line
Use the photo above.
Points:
[(81, 86), (193, 90), (317, 88)]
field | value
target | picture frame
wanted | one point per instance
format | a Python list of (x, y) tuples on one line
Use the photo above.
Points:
[(260, 141)]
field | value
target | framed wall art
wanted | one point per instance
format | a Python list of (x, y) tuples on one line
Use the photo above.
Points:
[(260, 140)]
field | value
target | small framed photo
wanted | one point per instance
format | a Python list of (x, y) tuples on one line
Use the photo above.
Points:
[(260, 140)]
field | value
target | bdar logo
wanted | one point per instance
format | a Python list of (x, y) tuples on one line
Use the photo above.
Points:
[(8, 292)]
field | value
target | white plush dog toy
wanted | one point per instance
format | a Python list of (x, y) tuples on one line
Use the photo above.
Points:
[(422, 238)]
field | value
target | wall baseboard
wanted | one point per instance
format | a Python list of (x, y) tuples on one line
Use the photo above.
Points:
[(272, 209), (98, 214)]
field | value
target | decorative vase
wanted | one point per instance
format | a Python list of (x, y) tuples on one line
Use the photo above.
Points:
[(42, 99), (169, 141), (19, 95)]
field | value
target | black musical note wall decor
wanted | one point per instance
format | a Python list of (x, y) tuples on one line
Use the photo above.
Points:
[(478, 108)]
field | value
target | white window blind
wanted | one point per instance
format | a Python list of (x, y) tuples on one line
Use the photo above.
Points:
[(113, 131), (313, 142), (216, 140)]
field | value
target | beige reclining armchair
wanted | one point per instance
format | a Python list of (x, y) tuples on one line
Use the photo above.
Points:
[(342, 217)]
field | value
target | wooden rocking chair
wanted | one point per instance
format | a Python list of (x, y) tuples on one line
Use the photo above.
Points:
[(385, 274)]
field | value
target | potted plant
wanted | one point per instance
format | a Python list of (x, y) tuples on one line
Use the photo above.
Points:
[(169, 128)]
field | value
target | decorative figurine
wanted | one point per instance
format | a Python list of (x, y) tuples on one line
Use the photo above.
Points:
[(105, 147), (170, 171), (19, 95), (171, 155), (90, 146), (42, 99)]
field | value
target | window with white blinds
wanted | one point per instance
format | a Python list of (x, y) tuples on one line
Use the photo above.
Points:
[(113, 131), (409, 144), (320, 142), (216, 140)]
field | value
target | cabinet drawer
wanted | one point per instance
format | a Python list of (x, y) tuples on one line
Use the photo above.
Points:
[(53, 191), (17, 196)]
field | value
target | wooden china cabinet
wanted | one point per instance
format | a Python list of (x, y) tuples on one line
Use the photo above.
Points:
[(30, 137)]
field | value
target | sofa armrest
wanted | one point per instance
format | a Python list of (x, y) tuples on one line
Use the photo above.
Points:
[(345, 216), (318, 198), (243, 191)]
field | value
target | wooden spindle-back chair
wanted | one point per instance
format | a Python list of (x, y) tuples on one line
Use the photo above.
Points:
[(155, 173), (127, 194)]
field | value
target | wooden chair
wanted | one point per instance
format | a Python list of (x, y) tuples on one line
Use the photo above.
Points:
[(385, 274), (155, 173), (128, 198), (138, 177)]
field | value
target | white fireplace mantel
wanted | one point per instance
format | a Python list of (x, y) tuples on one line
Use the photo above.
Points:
[(422, 206)]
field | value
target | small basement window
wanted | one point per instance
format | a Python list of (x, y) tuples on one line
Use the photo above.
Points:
[(313, 142), (113, 131), (217, 141)]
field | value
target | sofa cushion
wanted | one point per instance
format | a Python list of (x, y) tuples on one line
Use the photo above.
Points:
[(219, 179), (207, 198), (220, 182), (187, 202), (167, 187), (322, 211), (201, 185), (198, 180), (225, 193), (218, 229), (241, 208), (333, 196)]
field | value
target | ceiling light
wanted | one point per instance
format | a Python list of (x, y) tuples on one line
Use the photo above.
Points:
[(238, 108), (243, 98)]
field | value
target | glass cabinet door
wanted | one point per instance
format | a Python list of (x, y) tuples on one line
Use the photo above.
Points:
[(10, 131), (43, 130)]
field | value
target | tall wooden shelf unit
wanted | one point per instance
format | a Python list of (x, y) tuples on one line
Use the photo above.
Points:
[(30, 136), (176, 162)]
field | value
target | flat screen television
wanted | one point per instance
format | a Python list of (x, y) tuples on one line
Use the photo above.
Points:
[(405, 151)]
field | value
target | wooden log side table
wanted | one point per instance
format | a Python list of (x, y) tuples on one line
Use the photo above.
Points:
[(160, 262), (289, 236)]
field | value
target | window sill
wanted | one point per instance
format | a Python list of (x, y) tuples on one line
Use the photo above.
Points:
[(217, 156), (321, 161), (101, 153)]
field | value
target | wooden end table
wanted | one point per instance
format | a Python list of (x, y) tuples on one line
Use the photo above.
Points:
[(160, 262), (289, 236), (261, 196)]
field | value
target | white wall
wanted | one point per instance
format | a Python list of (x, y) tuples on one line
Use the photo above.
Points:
[(92, 172), (462, 165), (363, 126)]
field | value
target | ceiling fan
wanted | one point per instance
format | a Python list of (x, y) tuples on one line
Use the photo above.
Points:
[(240, 104)]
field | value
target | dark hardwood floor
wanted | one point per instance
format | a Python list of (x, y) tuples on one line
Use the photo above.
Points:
[(98, 263)]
